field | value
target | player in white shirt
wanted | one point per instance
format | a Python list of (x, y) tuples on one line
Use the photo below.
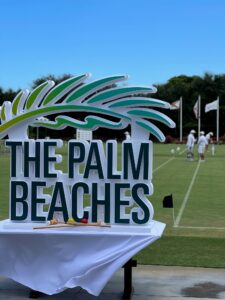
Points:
[(190, 145), (127, 135), (209, 139), (202, 142)]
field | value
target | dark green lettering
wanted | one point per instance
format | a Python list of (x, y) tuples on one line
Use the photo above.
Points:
[(58, 196), (140, 203), (21, 188), (143, 159), (76, 198), (93, 161), (35, 200), (49, 159), (96, 202), (119, 202), (31, 161), (74, 160)]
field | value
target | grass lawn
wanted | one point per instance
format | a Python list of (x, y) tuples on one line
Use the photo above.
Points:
[(185, 251), (195, 229)]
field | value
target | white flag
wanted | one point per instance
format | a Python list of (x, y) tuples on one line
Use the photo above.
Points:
[(175, 105), (211, 106), (196, 109)]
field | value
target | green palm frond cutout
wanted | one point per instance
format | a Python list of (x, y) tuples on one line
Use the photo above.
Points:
[(88, 89), (36, 97), (104, 105), (18, 102), (116, 93), (137, 101)]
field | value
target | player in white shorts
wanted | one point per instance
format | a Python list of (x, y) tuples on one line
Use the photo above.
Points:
[(202, 142)]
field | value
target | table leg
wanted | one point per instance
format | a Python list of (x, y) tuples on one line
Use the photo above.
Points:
[(127, 292), (35, 294)]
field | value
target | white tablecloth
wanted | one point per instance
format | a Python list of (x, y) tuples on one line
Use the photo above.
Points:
[(51, 260)]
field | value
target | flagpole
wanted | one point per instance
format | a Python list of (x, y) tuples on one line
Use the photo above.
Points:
[(199, 115), (181, 119), (217, 121), (173, 218)]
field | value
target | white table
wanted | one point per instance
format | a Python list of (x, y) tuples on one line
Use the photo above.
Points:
[(51, 260)]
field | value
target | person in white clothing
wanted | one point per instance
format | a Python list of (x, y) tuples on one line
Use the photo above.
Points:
[(127, 135), (209, 139), (202, 142), (190, 145)]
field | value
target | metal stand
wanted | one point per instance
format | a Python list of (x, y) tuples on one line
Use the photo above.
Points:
[(127, 292)]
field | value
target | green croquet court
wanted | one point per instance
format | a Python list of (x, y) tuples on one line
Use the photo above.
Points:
[(195, 227)]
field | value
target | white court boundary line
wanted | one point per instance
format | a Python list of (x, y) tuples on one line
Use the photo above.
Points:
[(162, 165), (166, 162), (186, 197), (201, 227)]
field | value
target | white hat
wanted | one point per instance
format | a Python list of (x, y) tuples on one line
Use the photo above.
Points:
[(192, 131), (202, 132)]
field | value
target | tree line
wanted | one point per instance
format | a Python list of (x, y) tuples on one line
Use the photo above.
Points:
[(209, 87)]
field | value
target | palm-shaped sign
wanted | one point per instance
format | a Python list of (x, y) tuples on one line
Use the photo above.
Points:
[(105, 106)]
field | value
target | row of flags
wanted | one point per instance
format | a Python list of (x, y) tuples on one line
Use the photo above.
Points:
[(214, 105), (210, 106)]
